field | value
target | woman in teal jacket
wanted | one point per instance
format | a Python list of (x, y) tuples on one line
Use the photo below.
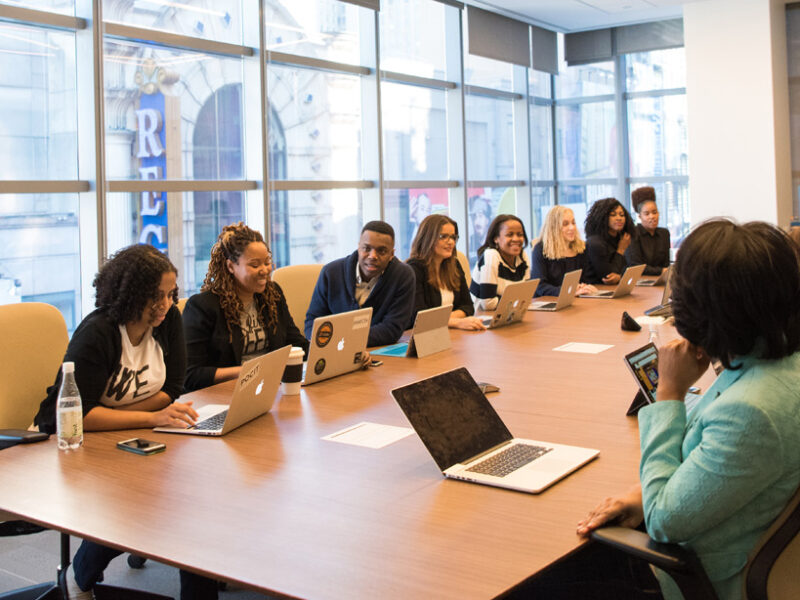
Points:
[(714, 478)]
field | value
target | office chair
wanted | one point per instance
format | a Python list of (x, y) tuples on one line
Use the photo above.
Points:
[(770, 572), (297, 283), (462, 258)]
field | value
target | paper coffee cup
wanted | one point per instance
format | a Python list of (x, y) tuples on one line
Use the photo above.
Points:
[(293, 373)]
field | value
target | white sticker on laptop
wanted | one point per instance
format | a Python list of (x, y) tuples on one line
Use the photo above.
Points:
[(360, 322)]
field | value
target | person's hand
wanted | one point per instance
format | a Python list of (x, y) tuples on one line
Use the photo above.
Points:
[(680, 364), (364, 359), (624, 242), (611, 278), (585, 288), (177, 414), (625, 511), (468, 324)]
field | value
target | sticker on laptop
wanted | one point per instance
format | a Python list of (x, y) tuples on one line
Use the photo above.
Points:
[(324, 334), (319, 366), (360, 322)]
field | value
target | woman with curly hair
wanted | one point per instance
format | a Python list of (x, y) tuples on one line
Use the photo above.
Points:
[(501, 260), (239, 313), (609, 229), (440, 278), (559, 251)]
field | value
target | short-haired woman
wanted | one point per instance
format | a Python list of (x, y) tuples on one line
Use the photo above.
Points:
[(440, 278), (501, 260), (650, 245), (240, 312), (559, 251), (609, 230)]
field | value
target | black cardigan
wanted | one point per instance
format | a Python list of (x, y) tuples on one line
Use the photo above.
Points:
[(208, 342), (428, 296), (96, 348), (649, 249), (603, 258), (551, 271)]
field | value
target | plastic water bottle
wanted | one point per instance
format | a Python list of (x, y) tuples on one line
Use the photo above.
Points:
[(655, 339), (69, 412)]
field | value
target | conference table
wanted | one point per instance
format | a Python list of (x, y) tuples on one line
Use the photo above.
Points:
[(275, 508)]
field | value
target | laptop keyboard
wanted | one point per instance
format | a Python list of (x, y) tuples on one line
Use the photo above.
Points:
[(212, 423), (509, 460)]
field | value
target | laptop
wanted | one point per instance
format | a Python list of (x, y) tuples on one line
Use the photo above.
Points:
[(569, 289), (512, 305), (660, 280), (665, 308), (253, 396), (429, 336), (469, 441), (626, 283), (338, 343)]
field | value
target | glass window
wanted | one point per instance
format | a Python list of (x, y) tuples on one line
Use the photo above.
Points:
[(412, 39), (38, 120), (595, 79), (673, 208), (315, 122), (405, 210), (40, 253), (657, 70), (658, 136), (541, 142), (580, 197), (324, 29), (414, 132), (218, 20), (543, 199), (314, 226), (485, 204), (539, 84), (586, 140), (489, 73), (64, 7), (172, 114), (490, 138)]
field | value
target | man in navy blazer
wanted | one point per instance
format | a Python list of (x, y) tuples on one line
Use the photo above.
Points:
[(370, 276)]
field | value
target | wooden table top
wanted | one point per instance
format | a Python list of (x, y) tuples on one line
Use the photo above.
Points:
[(273, 507)]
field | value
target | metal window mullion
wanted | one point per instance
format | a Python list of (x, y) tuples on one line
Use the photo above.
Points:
[(32, 16), (463, 100), (659, 179), (305, 185), (621, 107), (398, 184), (180, 185), (176, 40), (305, 62), (553, 134), (476, 90), (424, 82), (44, 186), (490, 183), (99, 130), (655, 93), (589, 181), (376, 31), (264, 123), (585, 99)]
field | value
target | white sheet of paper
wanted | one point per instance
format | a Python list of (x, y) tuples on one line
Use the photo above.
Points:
[(583, 347), (369, 435)]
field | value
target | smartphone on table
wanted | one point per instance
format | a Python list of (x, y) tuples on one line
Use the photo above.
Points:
[(141, 446)]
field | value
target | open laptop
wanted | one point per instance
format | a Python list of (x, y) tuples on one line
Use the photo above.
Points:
[(469, 441), (569, 289), (338, 343), (626, 283), (512, 305), (429, 336), (665, 308), (660, 280), (253, 396)]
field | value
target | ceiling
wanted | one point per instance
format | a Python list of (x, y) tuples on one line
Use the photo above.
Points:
[(579, 15)]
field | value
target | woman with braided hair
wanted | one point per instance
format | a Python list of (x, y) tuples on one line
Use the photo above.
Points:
[(239, 313)]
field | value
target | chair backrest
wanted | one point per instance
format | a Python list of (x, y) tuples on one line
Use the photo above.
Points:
[(771, 571), (34, 342), (464, 265), (182, 304), (297, 283)]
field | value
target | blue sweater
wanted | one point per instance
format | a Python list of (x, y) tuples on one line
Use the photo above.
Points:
[(392, 298)]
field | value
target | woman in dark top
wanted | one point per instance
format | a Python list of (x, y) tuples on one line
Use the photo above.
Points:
[(650, 245), (559, 251), (440, 278), (609, 230), (239, 313)]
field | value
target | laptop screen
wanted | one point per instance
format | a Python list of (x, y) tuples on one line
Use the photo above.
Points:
[(452, 417)]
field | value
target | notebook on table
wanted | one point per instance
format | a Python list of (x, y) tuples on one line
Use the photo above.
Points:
[(569, 289), (626, 284), (469, 441), (253, 396), (512, 305), (660, 280), (429, 336), (338, 343)]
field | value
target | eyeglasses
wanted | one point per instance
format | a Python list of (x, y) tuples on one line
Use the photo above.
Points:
[(448, 236)]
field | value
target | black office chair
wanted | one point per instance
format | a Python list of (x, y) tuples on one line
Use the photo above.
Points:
[(770, 573)]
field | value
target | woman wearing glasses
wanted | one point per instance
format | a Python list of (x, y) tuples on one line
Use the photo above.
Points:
[(440, 278), (239, 313)]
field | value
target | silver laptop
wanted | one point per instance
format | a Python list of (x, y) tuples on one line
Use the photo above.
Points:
[(660, 280), (469, 441), (253, 396), (512, 305), (665, 308), (429, 336), (626, 283), (338, 343), (569, 289)]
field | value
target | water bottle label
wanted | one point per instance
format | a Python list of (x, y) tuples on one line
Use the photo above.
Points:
[(70, 424)]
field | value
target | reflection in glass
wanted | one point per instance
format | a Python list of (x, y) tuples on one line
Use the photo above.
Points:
[(539, 84), (40, 253), (316, 122), (38, 120), (656, 70), (658, 136), (586, 140), (412, 39), (542, 198), (63, 7), (414, 132), (585, 80), (580, 197), (490, 138), (487, 72), (405, 209), (541, 137), (484, 204)]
